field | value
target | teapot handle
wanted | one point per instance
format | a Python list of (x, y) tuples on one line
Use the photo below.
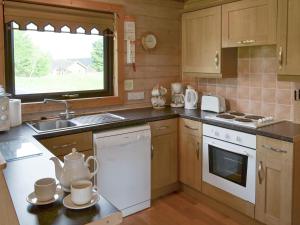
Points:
[(96, 164)]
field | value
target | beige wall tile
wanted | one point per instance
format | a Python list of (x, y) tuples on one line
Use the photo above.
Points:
[(283, 97), (268, 95), (255, 94)]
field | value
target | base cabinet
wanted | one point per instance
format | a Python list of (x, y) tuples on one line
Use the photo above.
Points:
[(164, 166), (274, 184), (190, 153)]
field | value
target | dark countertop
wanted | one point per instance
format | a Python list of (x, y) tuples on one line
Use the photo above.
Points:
[(20, 175)]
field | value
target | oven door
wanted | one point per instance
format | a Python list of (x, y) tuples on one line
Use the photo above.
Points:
[(230, 167)]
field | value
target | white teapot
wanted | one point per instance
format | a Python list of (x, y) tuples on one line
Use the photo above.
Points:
[(75, 168)]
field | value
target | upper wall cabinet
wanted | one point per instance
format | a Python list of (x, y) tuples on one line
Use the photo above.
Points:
[(201, 45), (249, 22), (288, 39)]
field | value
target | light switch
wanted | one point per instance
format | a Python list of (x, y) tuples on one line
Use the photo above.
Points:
[(136, 95), (128, 85)]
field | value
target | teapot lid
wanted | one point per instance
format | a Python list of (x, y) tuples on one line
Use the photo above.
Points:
[(74, 155)]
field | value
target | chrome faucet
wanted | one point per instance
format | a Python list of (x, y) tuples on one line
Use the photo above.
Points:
[(65, 115)]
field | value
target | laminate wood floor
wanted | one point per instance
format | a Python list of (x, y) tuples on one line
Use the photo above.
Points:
[(178, 209)]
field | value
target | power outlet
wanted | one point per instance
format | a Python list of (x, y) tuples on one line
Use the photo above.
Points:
[(128, 85), (136, 95)]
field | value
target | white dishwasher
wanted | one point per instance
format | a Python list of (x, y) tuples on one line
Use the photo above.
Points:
[(124, 176)]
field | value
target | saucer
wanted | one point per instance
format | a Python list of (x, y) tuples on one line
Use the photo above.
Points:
[(32, 199), (67, 202)]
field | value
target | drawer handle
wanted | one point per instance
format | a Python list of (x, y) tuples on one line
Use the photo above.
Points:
[(260, 171), (64, 145), (246, 42), (163, 127), (191, 128), (274, 149)]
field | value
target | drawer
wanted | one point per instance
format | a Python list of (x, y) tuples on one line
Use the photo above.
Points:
[(191, 127), (163, 127), (273, 146), (63, 145)]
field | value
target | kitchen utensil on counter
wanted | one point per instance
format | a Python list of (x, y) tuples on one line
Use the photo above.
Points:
[(213, 103), (15, 112), (158, 99), (177, 95), (32, 198), (190, 98), (81, 192), (67, 202), (74, 168), (4, 110)]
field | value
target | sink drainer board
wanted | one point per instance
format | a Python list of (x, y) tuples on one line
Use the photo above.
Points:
[(97, 119), (16, 149)]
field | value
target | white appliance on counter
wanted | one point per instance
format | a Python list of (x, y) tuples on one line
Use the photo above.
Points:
[(213, 103), (191, 98), (124, 176), (229, 161)]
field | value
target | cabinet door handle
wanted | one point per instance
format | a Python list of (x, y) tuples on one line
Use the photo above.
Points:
[(152, 152), (274, 149), (198, 151), (246, 42), (217, 59), (260, 171), (280, 57), (163, 127), (191, 128), (64, 145)]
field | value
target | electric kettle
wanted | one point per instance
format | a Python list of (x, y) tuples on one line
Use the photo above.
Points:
[(190, 98)]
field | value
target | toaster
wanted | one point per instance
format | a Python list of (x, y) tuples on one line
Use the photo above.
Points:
[(213, 103)]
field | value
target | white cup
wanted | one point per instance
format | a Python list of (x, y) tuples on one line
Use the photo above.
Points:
[(81, 192), (45, 189)]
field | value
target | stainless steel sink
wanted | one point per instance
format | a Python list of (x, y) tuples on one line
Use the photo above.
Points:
[(49, 125)]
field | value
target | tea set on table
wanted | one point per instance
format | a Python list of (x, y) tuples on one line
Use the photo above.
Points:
[(74, 177)]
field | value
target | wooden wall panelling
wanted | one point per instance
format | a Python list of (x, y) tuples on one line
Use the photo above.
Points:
[(2, 79)]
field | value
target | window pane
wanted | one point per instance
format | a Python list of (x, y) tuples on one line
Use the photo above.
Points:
[(57, 62)]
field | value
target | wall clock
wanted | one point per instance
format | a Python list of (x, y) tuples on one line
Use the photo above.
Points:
[(149, 41)]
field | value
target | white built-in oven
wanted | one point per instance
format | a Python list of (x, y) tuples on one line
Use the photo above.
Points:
[(229, 161)]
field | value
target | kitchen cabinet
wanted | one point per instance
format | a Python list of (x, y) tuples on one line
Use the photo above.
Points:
[(288, 36), (190, 153), (248, 23), (277, 183), (202, 55), (63, 145), (164, 168)]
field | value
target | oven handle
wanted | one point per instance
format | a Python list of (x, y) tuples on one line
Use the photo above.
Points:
[(241, 153)]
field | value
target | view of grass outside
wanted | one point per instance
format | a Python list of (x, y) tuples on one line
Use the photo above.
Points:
[(47, 62)]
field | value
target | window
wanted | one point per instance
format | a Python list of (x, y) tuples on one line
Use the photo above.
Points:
[(73, 60)]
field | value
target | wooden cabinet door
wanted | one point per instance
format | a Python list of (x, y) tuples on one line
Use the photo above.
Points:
[(274, 181), (249, 22), (190, 154), (288, 36), (201, 41), (164, 160)]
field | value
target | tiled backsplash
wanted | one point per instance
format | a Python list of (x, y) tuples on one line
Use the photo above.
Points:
[(256, 89)]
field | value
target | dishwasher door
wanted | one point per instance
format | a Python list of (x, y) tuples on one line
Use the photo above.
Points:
[(124, 176)]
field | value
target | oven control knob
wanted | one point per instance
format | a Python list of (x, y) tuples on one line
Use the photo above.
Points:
[(238, 139), (227, 136), (217, 133), (3, 117)]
